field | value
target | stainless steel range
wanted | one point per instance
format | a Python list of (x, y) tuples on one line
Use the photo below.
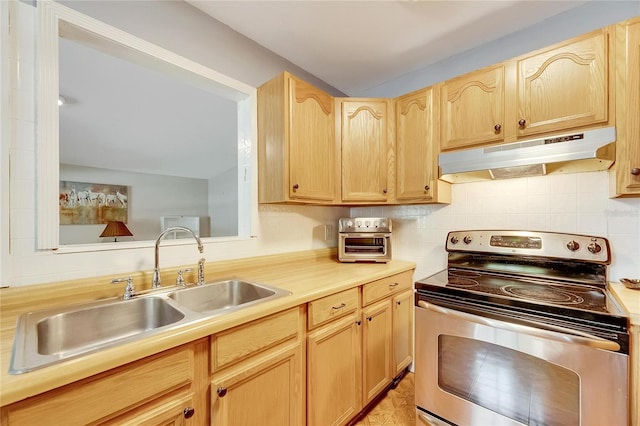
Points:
[(521, 329)]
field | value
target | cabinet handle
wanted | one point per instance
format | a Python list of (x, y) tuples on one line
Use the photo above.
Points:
[(295, 186), (399, 302), (497, 128), (522, 122), (340, 306), (189, 412), (635, 171), (221, 392), (384, 191), (392, 286), (426, 187), (369, 318), (358, 322)]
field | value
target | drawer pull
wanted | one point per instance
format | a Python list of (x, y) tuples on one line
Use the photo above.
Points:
[(188, 412), (392, 286), (340, 306), (222, 392)]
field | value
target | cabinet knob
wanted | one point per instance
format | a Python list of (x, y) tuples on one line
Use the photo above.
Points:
[(384, 191), (426, 187), (221, 392), (369, 318), (497, 128), (295, 186), (399, 302), (522, 122), (358, 322), (189, 412), (635, 171)]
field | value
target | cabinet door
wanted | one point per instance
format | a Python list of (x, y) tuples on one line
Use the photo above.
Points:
[(311, 142), (334, 373), (416, 165), (472, 109), (366, 149), (266, 392), (627, 174), (402, 330), (376, 349), (565, 87)]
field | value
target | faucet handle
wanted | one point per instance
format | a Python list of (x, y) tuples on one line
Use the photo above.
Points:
[(180, 278), (129, 291), (200, 271)]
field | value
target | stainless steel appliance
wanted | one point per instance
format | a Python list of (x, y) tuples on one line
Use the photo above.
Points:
[(364, 239), (521, 329)]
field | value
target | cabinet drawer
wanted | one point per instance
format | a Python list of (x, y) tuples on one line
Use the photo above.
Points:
[(90, 400), (332, 307), (380, 289), (246, 340)]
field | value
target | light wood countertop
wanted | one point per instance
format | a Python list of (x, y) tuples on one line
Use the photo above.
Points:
[(307, 275), (630, 299)]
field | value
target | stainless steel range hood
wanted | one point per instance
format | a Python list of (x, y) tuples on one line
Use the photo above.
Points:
[(567, 153)]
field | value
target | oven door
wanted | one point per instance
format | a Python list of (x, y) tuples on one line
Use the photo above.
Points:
[(473, 370)]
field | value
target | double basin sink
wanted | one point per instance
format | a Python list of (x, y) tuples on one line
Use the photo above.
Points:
[(47, 337)]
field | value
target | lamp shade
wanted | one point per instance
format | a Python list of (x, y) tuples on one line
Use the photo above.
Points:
[(116, 229)]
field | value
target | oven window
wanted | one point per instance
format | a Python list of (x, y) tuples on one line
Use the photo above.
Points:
[(364, 245), (520, 386)]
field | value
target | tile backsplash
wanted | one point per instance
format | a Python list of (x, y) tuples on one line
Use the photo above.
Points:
[(573, 203)]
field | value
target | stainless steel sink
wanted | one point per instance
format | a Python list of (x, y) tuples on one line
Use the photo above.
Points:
[(49, 336), (224, 296)]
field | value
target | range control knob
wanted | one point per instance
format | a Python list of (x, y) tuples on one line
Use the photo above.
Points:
[(467, 239), (367, 224), (573, 245), (454, 240), (594, 248)]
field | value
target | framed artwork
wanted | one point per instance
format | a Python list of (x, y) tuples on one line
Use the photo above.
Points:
[(84, 203)]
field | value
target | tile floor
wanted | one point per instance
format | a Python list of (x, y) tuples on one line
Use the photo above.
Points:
[(397, 408)]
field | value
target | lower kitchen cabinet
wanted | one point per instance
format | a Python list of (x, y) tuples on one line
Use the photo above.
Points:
[(402, 331), (258, 372), (333, 372), (376, 349), (353, 358), (162, 389), (267, 392)]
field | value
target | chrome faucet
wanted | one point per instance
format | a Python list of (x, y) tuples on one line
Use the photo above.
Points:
[(156, 270)]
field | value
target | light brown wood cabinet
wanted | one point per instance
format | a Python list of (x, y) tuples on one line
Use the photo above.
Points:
[(367, 150), (350, 349), (625, 179), (560, 88), (258, 372), (565, 86), (402, 331), (417, 149), (472, 108), (167, 388), (296, 142)]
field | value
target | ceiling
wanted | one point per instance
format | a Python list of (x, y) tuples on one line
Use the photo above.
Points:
[(357, 45)]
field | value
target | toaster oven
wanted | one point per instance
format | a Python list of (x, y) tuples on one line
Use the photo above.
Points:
[(364, 239)]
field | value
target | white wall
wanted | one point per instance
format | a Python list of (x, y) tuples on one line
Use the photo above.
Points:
[(280, 229), (573, 203), (583, 19)]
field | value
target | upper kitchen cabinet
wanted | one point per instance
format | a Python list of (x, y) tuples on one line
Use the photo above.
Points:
[(565, 86), (366, 136), (625, 180), (417, 149), (296, 142), (472, 108)]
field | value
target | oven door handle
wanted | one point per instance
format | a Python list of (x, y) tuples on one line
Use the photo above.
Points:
[(550, 331)]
